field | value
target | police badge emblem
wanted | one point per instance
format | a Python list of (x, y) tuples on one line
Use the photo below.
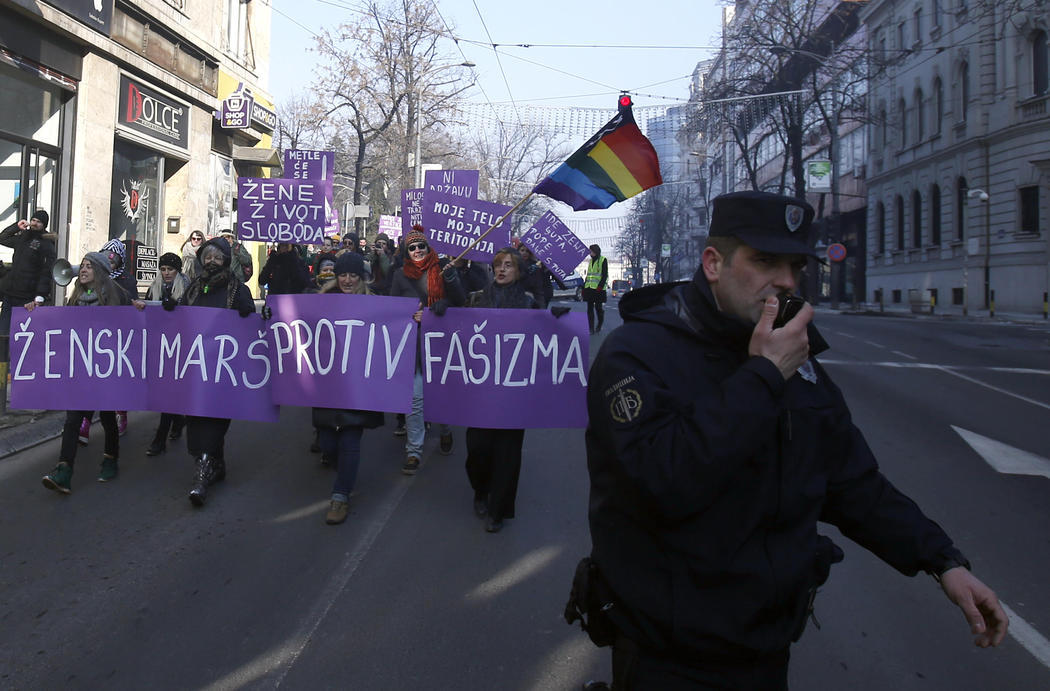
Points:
[(793, 216)]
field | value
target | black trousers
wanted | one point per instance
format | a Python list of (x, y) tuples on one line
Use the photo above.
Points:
[(493, 467), (168, 422), (637, 671), (594, 309), (71, 430), (206, 435)]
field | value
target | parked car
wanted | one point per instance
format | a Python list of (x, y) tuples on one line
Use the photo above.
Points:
[(573, 289)]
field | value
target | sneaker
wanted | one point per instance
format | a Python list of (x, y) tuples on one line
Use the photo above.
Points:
[(85, 430), (445, 445), (400, 430), (108, 470), (59, 478), (337, 512), (122, 422), (411, 466)]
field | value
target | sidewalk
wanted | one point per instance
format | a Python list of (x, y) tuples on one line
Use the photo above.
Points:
[(23, 429)]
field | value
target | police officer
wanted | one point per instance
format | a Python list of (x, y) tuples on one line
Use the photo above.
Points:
[(716, 442), (593, 291)]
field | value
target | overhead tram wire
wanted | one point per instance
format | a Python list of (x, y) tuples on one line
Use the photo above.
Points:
[(498, 61)]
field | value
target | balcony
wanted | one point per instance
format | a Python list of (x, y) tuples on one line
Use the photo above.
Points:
[(1033, 108)]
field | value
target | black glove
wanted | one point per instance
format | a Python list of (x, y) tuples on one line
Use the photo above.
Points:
[(267, 313), (559, 310), (245, 311), (169, 303), (439, 307), (449, 273)]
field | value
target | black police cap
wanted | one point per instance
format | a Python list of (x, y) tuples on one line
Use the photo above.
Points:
[(765, 221)]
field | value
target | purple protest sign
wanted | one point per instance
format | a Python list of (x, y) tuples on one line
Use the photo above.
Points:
[(282, 210), (555, 245), (78, 358), (305, 164), (411, 209), (390, 225), (453, 223), (505, 368), (193, 360), (343, 351), (461, 183), (208, 361)]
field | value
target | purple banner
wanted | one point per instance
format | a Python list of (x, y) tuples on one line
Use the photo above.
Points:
[(411, 209), (343, 351), (452, 223), (193, 360), (304, 164), (282, 210), (461, 183), (505, 369), (555, 245)]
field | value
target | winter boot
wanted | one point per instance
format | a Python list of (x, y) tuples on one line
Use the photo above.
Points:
[(204, 477), (109, 469), (59, 478)]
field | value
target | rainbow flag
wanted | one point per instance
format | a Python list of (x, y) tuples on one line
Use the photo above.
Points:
[(615, 164)]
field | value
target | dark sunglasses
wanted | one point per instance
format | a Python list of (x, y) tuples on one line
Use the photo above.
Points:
[(417, 246)]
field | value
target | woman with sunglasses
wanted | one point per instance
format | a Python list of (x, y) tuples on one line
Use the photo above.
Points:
[(423, 276), (189, 253)]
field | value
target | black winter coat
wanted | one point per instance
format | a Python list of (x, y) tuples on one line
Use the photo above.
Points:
[(285, 274), (709, 473), (30, 272)]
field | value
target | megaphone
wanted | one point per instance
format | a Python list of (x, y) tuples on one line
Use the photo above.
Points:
[(62, 272)]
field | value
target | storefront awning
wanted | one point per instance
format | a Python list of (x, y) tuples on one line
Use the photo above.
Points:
[(259, 157)]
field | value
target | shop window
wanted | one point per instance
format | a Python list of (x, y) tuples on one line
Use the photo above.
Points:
[(897, 296), (220, 195), (135, 198), (958, 295), (31, 109), (1029, 209)]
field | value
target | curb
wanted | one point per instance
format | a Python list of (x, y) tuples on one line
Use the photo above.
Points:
[(37, 430)]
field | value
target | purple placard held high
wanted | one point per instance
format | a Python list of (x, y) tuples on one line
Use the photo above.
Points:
[(505, 368), (411, 209), (282, 210), (555, 245), (461, 183), (305, 164), (453, 223), (343, 351)]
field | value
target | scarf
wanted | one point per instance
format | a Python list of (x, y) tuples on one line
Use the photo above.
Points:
[(206, 282), (435, 283)]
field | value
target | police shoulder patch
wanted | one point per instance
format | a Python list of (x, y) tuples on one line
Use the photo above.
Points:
[(625, 404)]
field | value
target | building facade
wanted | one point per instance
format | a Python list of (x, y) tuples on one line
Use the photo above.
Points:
[(108, 118), (960, 149)]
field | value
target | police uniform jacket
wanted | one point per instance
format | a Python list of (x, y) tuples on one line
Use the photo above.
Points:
[(709, 473)]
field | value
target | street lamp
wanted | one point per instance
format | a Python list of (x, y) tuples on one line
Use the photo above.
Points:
[(982, 197)]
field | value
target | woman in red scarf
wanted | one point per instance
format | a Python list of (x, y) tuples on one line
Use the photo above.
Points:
[(423, 277)]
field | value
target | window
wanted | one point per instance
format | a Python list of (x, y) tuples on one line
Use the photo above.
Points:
[(880, 226), (935, 215), (920, 116), (917, 24), (916, 219), (237, 28), (935, 13), (884, 139), (964, 91), (902, 107), (958, 296), (960, 209), (938, 105), (896, 295), (1030, 209), (900, 37), (1040, 65), (900, 222)]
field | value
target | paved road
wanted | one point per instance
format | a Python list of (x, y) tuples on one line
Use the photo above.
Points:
[(124, 585)]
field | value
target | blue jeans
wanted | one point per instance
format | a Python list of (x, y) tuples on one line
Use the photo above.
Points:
[(345, 447), (415, 428)]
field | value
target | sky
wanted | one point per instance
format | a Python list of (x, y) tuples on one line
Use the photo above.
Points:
[(571, 77)]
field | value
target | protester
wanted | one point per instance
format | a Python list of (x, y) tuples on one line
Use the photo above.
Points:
[(93, 288), (117, 253), (189, 253), (594, 288), (436, 286), (472, 275), (284, 272), (494, 455), (29, 275), (240, 258), (538, 277), (340, 431), (169, 286), (382, 263), (215, 286), (324, 272), (716, 442)]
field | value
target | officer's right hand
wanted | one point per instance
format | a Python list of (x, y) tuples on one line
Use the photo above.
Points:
[(786, 347)]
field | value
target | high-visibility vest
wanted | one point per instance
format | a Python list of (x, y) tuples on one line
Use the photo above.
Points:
[(594, 273)]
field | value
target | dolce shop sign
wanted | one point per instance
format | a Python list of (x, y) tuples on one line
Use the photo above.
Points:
[(147, 111)]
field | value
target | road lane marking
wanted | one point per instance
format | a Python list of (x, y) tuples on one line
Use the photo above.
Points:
[(1018, 396), (910, 357), (520, 570), (1004, 458), (927, 365), (1030, 639), (844, 335), (877, 345)]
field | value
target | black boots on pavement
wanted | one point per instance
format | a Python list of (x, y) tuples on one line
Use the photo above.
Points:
[(209, 471)]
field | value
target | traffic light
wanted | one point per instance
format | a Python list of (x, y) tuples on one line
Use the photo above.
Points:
[(625, 101)]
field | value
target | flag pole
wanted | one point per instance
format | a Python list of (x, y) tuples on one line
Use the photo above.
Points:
[(501, 219)]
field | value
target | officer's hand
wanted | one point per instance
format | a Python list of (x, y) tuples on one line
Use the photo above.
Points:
[(786, 347), (988, 622), (168, 303)]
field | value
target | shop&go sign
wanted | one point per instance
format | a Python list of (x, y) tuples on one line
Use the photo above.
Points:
[(149, 112), (236, 111)]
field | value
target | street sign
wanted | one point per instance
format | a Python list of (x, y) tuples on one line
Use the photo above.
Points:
[(836, 251), (236, 112), (665, 250)]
